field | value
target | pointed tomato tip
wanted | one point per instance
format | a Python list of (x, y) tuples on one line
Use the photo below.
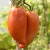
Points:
[(21, 46)]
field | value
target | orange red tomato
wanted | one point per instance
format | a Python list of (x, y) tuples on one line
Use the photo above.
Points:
[(22, 25)]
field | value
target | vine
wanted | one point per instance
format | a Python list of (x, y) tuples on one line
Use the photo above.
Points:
[(18, 3)]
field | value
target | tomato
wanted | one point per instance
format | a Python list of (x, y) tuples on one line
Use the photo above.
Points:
[(23, 25), (17, 21)]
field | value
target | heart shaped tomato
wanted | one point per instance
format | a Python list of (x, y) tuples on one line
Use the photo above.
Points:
[(23, 25)]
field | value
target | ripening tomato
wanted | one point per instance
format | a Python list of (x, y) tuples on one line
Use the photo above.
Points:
[(32, 27), (23, 25), (17, 22)]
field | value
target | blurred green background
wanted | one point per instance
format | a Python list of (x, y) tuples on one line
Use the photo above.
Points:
[(42, 40)]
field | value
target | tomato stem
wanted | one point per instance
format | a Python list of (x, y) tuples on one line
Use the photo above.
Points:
[(18, 3), (27, 5)]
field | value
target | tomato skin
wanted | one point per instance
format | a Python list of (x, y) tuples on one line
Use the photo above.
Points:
[(32, 27), (17, 21)]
